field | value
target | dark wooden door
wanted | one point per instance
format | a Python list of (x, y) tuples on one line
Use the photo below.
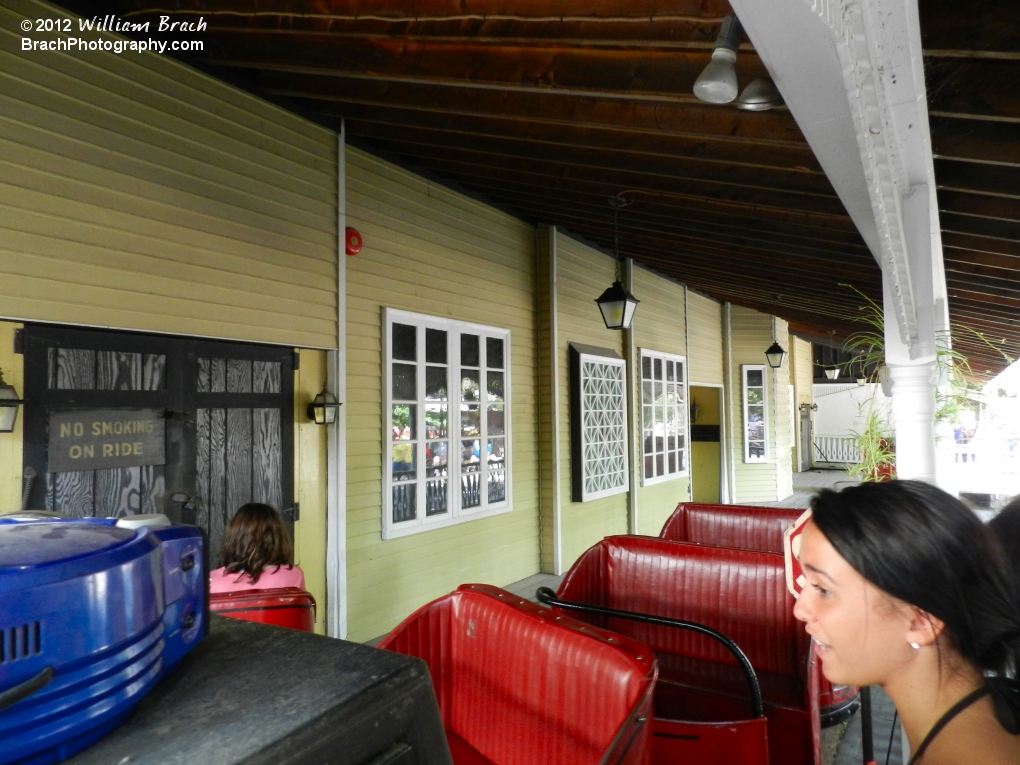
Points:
[(228, 411)]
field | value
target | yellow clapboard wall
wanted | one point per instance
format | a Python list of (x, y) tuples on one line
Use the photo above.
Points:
[(751, 334), (658, 326), (430, 250), (138, 193), (705, 334), (310, 482), (583, 274), (10, 443)]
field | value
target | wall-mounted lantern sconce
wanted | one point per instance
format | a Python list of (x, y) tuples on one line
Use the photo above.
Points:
[(322, 410), (9, 403), (832, 374)]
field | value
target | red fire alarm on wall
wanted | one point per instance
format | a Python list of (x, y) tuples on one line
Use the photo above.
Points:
[(354, 241)]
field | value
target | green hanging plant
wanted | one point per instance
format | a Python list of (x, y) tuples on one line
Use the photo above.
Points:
[(952, 395)]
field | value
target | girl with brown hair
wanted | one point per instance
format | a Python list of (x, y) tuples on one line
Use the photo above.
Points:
[(255, 553)]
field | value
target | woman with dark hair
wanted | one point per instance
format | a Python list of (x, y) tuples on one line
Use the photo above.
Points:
[(907, 590), (255, 553)]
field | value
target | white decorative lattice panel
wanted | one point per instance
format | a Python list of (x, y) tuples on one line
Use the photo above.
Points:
[(603, 426)]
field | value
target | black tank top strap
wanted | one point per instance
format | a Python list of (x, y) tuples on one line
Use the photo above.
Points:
[(943, 721)]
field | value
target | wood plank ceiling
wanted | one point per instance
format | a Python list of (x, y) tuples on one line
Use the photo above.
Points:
[(972, 72), (550, 108)]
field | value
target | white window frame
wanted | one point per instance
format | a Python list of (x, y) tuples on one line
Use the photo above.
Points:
[(744, 369), (685, 428), (456, 514)]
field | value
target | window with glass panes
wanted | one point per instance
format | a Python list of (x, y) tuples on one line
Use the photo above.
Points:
[(445, 385), (663, 416), (753, 393)]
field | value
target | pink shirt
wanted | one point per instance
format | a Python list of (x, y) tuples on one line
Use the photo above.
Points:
[(220, 580)]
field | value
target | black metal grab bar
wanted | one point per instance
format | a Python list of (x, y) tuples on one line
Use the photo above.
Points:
[(547, 596)]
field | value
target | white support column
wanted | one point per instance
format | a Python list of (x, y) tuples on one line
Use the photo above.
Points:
[(633, 407), (913, 408), (336, 438)]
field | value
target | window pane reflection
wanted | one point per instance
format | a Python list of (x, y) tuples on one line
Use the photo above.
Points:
[(436, 421), (495, 386), (404, 468), (469, 355), (403, 422), (469, 385), (469, 453), (405, 342), (494, 353), (494, 423), (435, 346), (437, 458), (435, 384), (469, 420), (404, 381)]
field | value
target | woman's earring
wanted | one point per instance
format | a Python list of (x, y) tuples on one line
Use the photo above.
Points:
[(915, 646)]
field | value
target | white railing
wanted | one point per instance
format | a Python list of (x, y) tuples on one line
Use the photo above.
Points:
[(835, 449)]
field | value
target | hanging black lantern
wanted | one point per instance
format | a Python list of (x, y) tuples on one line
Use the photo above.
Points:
[(617, 306), (775, 355)]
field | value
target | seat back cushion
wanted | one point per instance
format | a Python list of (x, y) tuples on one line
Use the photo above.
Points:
[(742, 526), (523, 685), (740, 593)]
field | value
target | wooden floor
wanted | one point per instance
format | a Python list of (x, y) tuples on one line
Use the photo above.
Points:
[(810, 481)]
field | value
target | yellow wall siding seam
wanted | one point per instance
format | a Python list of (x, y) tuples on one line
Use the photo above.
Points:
[(428, 254), (582, 274)]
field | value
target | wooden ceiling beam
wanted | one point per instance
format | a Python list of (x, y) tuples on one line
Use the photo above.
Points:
[(997, 253), (981, 205), (996, 143), (988, 287), (636, 219), (525, 12), (979, 88), (979, 227), (758, 295), (689, 119), (978, 178), (810, 223), (612, 181), (687, 218), (643, 73), (791, 157), (989, 25), (966, 303), (430, 143), (738, 261), (602, 231)]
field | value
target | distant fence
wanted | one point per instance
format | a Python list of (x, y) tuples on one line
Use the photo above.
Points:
[(835, 449)]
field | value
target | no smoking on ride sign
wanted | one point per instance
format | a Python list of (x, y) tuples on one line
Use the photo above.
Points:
[(791, 551)]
